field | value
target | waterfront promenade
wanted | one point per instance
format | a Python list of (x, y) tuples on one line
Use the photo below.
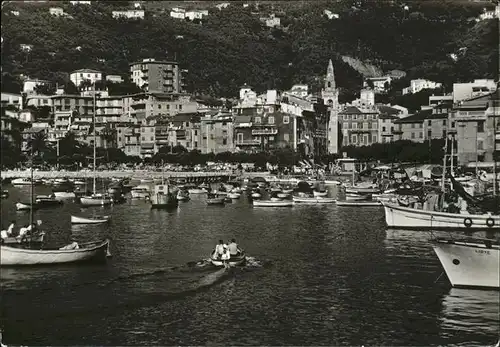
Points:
[(134, 174)]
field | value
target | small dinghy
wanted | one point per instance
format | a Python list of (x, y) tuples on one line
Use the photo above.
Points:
[(234, 260), (47, 201), (272, 203), (65, 195), (322, 194), (213, 199), (90, 220), (72, 253)]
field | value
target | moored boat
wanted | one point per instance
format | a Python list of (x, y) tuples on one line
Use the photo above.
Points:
[(234, 260), (26, 239), (357, 197), (233, 195), (213, 199), (469, 262), (322, 193), (73, 253), (405, 217), (96, 200), (359, 203), (21, 182), (90, 220), (313, 200), (26, 206), (361, 190), (139, 192), (272, 203), (64, 195), (183, 195)]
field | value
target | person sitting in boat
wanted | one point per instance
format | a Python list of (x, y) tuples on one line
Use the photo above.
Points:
[(220, 249), (10, 230), (225, 257), (233, 248)]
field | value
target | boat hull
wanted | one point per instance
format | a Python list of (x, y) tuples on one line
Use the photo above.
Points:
[(215, 201), (268, 203), (19, 240), (65, 195), (88, 201), (315, 200), (359, 203), (405, 217), (83, 220), (10, 256), (320, 194), (233, 261), (469, 264), (197, 191)]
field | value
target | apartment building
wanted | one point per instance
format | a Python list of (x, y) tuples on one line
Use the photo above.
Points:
[(78, 76), (158, 76), (359, 127), (216, 133)]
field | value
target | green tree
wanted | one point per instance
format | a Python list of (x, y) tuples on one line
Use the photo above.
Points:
[(37, 143), (45, 89)]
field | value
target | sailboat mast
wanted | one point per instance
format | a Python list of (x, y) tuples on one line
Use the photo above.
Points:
[(31, 187), (444, 163), (495, 130), (93, 125), (162, 173)]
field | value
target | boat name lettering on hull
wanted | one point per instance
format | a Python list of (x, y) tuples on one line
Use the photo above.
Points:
[(481, 251)]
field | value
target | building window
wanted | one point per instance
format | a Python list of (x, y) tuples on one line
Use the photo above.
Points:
[(258, 120), (444, 122), (286, 119), (195, 144), (354, 139), (429, 122), (151, 138), (366, 139), (142, 130), (480, 145), (480, 126), (180, 107), (168, 107), (196, 133), (429, 133), (187, 124), (286, 137), (374, 138), (420, 125), (224, 141), (239, 137), (143, 138), (360, 126), (346, 125), (383, 128), (412, 135), (453, 124), (271, 138), (413, 125), (270, 120), (354, 117), (159, 107), (354, 125), (421, 135)]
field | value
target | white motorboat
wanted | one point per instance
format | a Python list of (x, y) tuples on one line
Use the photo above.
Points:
[(64, 195), (272, 203), (313, 200), (322, 194), (256, 195), (359, 203), (91, 220), (73, 253), (469, 262), (139, 193), (96, 200), (283, 195), (197, 191), (361, 190), (25, 206), (404, 217)]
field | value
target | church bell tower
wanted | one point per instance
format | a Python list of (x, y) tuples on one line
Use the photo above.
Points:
[(330, 96)]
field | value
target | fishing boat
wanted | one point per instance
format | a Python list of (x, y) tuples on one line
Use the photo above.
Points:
[(234, 260), (162, 197), (63, 195), (469, 262), (26, 206), (90, 220), (405, 217), (357, 197), (213, 199), (361, 190), (313, 200), (72, 253), (47, 201), (359, 203), (21, 182), (272, 203)]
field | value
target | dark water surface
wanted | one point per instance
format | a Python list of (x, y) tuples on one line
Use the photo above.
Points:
[(316, 275)]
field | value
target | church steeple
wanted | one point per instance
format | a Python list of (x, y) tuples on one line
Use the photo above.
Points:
[(330, 77)]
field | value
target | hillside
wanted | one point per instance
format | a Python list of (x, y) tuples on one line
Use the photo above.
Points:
[(232, 46)]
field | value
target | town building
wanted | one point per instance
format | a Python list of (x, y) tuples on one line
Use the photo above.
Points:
[(464, 91), (29, 85), (12, 100), (137, 107), (386, 118), (216, 133), (477, 128), (330, 96), (359, 127), (420, 84), (272, 21), (56, 11), (380, 84), (129, 14), (158, 76), (78, 76), (114, 78)]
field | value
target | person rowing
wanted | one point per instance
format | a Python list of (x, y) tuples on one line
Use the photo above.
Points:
[(220, 249), (233, 248)]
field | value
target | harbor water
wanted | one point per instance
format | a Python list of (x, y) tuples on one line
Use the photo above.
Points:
[(315, 275)]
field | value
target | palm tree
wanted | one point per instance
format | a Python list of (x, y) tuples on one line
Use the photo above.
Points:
[(37, 144)]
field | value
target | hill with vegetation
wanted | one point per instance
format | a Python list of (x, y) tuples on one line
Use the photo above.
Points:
[(232, 46)]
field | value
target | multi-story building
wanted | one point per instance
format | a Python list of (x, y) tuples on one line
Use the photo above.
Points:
[(311, 131), (411, 127), (387, 116), (78, 76), (139, 106), (380, 84), (129, 14), (420, 84), (158, 76), (477, 128), (12, 100), (359, 127), (465, 91), (217, 133), (39, 101), (29, 85), (184, 130)]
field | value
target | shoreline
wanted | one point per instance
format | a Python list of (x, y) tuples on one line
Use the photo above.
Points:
[(137, 174)]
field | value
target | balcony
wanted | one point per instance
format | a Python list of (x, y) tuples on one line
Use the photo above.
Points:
[(248, 142), (264, 132)]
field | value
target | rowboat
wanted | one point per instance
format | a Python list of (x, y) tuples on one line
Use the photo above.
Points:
[(215, 200), (139, 192), (271, 203), (469, 262), (357, 197), (21, 182), (92, 220), (73, 253), (234, 260), (313, 200), (359, 203), (25, 206), (65, 195), (47, 201), (361, 190), (322, 194), (405, 217)]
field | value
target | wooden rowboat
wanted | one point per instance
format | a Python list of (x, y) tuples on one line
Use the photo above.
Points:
[(18, 240), (313, 200), (91, 220), (236, 260), (93, 251), (216, 201), (270, 203)]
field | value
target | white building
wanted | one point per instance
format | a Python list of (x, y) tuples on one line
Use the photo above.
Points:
[(78, 76), (80, 2), (379, 83), (299, 90), (130, 14), (420, 84), (25, 47), (114, 78), (56, 11), (366, 100), (11, 99), (178, 13), (39, 100), (30, 84), (15, 13), (464, 91), (198, 14), (272, 21)]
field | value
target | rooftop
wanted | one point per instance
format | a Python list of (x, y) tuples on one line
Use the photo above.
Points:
[(417, 117), (86, 71)]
